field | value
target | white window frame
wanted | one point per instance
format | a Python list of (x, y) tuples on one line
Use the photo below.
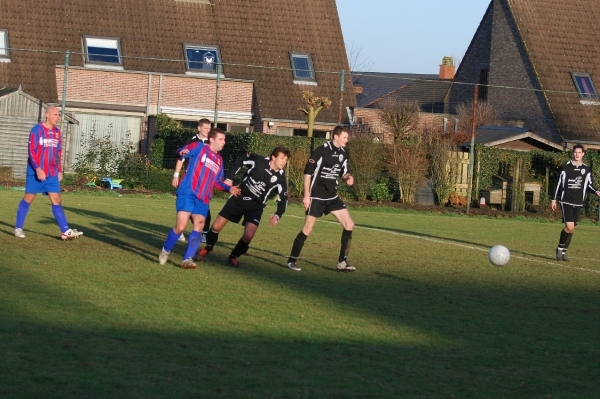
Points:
[(102, 42), (584, 97), (5, 53), (303, 80), (199, 71)]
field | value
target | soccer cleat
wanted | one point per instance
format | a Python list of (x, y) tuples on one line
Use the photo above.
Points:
[(188, 264), (565, 258), (70, 234), (233, 261), (203, 239), (163, 257), (561, 255), (19, 233), (293, 266), (204, 251), (181, 238), (344, 266)]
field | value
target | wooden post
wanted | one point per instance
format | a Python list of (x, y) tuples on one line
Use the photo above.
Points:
[(472, 151)]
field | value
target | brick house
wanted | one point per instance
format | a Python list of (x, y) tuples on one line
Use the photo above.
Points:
[(128, 60), (540, 62)]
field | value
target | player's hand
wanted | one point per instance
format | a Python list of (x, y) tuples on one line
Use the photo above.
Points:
[(274, 220), (175, 182), (598, 193), (553, 205), (348, 178), (235, 191), (228, 182), (41, 175), (306, 202), (60, 176)]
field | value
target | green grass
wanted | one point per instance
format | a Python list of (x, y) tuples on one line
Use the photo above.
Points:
[(425, 315)]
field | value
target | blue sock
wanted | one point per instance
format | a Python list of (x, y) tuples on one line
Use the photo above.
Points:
[(171, 240), (22, 210), (61, 219), (193, 244)]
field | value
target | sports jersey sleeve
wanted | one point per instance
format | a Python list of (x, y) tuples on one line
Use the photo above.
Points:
[(34, 150), (242, 161), (560, 184), (219, 184), (59, 149), (590, 186), (315, 158), (345, 166), (283, 198), (193, 149)]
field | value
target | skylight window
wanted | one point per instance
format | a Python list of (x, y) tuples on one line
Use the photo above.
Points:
[(102, 51), (202, 59), (302, 66), (585, 86), (4, 56)]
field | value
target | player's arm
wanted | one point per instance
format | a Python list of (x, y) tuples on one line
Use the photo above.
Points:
[(281, 203), (345, 173), (592, 187), (35, 153), (178, 166), (187, 150), (559, 188), (223, 186), (58, 160)]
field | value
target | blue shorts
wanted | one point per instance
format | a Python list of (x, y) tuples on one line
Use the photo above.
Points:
[(191, 204), (33, 185)]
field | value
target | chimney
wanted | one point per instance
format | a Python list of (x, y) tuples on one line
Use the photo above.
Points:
[(447, 68)]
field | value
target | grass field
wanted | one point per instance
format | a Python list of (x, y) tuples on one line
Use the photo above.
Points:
[(424, 316)]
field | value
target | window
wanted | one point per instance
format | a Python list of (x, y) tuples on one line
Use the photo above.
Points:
[(102, 51), (302, 67), (203, 59), (4, 56), (482, 93), (584, 85)]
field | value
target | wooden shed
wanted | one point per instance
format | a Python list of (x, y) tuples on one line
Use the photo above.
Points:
[(19, 112)]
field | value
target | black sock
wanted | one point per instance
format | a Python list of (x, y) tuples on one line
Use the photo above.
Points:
[(207, 223), (211, 238), (346, 241), (565, 240), (297, 247), (240, 248)]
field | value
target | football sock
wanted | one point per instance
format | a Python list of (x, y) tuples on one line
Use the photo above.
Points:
[(61, 219), (193, 244), (565, 240), (297, 247), (346, 241), (207, 223), (22, 211), (240, 248), (211, 238), (171, 240)]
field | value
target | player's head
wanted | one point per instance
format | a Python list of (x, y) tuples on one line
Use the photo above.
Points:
[(52, 115), (216, 139), (279, 157), (339, 136), (578, 152), (203, 127)]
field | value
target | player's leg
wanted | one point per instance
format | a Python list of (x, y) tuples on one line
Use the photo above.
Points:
[(343, 216), (309, 223), (206, 226), (213, 235), (22, 211), (184, 207), (570, 218), (243, 243), (194, 239)]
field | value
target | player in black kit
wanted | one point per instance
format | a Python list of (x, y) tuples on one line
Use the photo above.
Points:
[(574, 181), (263, 177), (325, 165)]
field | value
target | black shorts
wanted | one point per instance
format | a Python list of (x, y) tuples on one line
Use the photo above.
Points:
[(319, 207), (239, 206), (570, 213)]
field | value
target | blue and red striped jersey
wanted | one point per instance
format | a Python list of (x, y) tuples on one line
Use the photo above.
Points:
[(45, 150), (204, 172)]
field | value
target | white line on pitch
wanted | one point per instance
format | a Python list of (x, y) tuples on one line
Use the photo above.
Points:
[(478, 248)]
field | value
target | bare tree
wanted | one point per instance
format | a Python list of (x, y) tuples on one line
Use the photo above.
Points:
[(443, 169), (400, 117), (365, 153), (486, 116), (314, 105), (357, 60)]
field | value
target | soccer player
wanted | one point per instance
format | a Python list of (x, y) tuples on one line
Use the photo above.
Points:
[(201, 136), (205, 173), (263, 177), (44, 173), (574, 181), (325, 165)]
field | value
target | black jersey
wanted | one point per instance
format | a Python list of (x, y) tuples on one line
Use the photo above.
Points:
[(573, 184), (260, 181), (326, 164), (194, 139)]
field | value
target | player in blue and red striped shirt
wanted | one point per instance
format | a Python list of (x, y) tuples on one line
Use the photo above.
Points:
[(44, 173), (204, 174)]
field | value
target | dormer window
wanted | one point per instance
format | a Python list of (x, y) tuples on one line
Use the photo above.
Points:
[(585, 86), (302, 68), (201, 59), (102, 51), (4, 55)]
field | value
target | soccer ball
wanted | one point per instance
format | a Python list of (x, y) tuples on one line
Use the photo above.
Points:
[(499, 255)]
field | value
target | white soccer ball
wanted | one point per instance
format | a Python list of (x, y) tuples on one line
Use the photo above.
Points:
[(499, 255)]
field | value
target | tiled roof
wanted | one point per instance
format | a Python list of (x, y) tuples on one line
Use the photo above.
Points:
[(562, 36), (257, 32), (428, 93), (376, 85), (496, 135)]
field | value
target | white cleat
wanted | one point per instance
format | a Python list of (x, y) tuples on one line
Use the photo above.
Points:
[(344, 266), (70, 234), (163, 257), (293, 266), (181, 238), (19, 233)]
